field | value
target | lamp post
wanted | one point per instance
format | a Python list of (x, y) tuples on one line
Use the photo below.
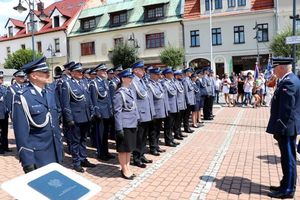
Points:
[(20, 8), (294, 18), (52, 53), (256, 28)]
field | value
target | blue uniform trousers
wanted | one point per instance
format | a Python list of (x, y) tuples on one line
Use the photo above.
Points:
[(143, 131), (4, 133), (287, 146), (102, 137), (78, 142)]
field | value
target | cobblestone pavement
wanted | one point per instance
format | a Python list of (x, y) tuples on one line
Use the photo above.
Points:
[(231, 157)]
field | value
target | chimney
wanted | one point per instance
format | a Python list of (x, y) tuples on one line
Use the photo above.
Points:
[(40, 6)]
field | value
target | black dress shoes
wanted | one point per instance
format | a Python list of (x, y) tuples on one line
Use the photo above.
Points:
[(208, 118), (182, 135), (171, 144), (161, 150), (78, 169), (154, 152), (281, 195), (2, 151), (176, 143), (188, 131), (145, 160), (127, 177), (86, 163), (7, 150), (275, 188), (178, 138), (106, 157), (140, 164)]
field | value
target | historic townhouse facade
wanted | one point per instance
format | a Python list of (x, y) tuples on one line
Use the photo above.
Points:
[(50, 33), (148, 25), (240, 30)]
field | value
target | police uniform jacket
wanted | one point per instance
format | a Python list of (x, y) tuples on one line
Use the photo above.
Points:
[(180, 95), (125, 109), (171, 91), (209, 85), (202, 85), (197, 91), (113, 85), (101, 99), (160, 99), (76, 102), (3, 102), (189, 91), (145, 103), (285, 107), (12, 90), (36, 127), (59, 86)]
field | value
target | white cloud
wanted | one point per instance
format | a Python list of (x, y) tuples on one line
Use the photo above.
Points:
[(7, 11)]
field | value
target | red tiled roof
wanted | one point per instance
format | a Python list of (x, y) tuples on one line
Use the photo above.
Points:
[(68, 8), (191, 9), (17, 23), (262, 4)]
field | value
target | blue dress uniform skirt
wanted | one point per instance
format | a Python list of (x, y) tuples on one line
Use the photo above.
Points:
[(198, 105), (128, 144)]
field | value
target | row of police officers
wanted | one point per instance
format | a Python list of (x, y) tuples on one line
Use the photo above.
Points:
[(132, 106)]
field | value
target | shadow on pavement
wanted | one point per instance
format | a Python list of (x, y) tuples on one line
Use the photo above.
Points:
[(272, 159), (231, 124), (237, 185)]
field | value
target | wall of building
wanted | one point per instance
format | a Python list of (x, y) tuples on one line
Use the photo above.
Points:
[(223, 53), (104, 42)]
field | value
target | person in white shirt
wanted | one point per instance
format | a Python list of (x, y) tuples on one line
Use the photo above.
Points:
[(225, 88), (218, 86), (248, 87)]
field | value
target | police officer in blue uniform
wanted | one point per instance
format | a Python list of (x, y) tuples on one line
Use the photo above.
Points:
[(284, 124), (181, 103), (146, 109), (161, 106), (77, 112), (126, 117), (102, 102), (209, 98), (19, 76), (190, 99), (35, 119), (171, 95), (3, 116)]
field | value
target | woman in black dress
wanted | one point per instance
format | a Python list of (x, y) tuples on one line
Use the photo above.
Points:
[(126, 119)]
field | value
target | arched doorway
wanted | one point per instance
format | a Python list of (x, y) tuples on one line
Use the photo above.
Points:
[(199, 63)]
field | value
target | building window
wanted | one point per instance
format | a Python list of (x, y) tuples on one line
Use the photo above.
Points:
[(29, 26), (23, 46), (88, 48), (156, 40), (88, 24), (57, 45), (117, 19), (239, 35), (153, 13), (8, 50), (10, 31), (262, 33), (195, 40), (56, 21), (216, 36), (241, 2), (218, 4), (231, 3), (39, 47), (118, 41), (207, 5)]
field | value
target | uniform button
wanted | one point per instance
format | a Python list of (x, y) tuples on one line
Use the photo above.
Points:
[(53, 134)]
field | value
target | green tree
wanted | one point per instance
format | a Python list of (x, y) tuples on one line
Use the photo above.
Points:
[(123, 54), (19, 58), (172, 56), (279, 47)]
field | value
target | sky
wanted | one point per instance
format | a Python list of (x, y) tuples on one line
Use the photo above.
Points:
[(7, 11)]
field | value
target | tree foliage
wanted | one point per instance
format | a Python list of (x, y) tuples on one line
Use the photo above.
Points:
[(19, 58), (279, 47), (172, 56), (123, 54)]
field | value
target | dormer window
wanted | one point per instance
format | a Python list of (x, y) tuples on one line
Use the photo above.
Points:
[(29, 26), (88, 24), (154, 12), (118, 19), (10, 31), (56, 21)]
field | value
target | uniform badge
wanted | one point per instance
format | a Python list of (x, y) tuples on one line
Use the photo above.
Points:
[(33, 91), (284, 89)]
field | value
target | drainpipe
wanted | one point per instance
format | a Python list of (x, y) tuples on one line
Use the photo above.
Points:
[(183, 42), (276, 16), (67, 45)]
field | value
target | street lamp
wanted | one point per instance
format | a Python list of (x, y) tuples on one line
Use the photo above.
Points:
[(257, 29), (294, 18), (20, 8), (52, 53)]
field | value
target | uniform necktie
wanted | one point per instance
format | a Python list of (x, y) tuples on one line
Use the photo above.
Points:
[(44, 93)]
